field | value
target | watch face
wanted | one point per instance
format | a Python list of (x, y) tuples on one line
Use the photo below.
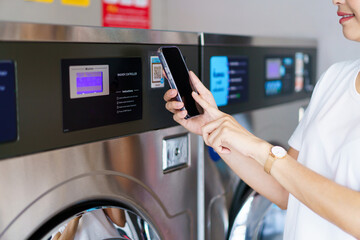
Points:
[(278, 151)]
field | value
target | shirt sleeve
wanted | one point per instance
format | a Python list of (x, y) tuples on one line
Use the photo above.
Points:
[(295, 140)]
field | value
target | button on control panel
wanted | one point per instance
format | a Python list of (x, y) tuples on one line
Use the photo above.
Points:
[(175, 152)]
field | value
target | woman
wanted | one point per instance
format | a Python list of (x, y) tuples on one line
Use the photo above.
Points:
[(321, 190)]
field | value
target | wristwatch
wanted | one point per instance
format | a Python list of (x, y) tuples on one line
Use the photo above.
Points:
[(276, 152)]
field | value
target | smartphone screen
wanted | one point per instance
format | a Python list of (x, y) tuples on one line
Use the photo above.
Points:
[(180, 75)]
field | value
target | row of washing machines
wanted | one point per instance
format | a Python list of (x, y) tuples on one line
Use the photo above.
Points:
[(88, 151)]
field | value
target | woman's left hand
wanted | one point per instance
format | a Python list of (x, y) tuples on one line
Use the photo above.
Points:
[(226, 136)]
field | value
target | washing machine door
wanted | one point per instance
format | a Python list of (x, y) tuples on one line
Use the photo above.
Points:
[(252, 216), (95, 220)]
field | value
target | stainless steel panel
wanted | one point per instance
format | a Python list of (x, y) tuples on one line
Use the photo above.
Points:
[(12, 31), (208, 39), (36, 187)]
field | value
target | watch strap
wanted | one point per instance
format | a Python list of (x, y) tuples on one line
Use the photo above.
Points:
[(269, 162)]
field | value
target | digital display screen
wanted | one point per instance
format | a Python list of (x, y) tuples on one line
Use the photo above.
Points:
[(89, 81), (274, 68), (229, 78), (302, 72), (287, 74), (279, 75), (8, 113)]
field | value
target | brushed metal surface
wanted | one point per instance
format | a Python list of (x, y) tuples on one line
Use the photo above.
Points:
[(13, 31), (208, 39), (36, 187)]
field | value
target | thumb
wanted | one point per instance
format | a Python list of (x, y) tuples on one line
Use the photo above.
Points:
[(205, 105), (199, 86)]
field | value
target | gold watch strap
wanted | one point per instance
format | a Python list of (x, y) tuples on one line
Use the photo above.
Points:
[(269, 162)]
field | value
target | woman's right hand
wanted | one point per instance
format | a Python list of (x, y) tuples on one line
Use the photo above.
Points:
[(205, 99)]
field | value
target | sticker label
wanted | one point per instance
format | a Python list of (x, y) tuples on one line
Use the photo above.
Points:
[(156, 73), (126, 13), (81, 3)]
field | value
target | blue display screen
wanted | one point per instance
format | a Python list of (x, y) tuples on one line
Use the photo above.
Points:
[(89, 82), (229, 78), (273, 87), (8, 119)]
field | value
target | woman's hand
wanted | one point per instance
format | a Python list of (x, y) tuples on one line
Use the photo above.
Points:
[(208, 104), (227, 136)]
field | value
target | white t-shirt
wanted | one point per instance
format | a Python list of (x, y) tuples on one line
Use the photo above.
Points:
[(328, 141)]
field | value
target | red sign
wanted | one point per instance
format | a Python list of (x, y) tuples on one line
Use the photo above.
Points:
[(126, 13)]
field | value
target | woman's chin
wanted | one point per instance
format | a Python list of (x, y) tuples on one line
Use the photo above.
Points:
[(351, 34)]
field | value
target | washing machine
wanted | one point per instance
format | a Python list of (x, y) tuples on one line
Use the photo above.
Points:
[(87, 148), (265, 83)]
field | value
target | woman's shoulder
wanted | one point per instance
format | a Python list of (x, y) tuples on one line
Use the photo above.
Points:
[(339, 69), (335, 76), (344, 66)]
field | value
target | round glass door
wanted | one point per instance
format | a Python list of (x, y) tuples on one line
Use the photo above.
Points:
[(103, 223), (258, 219)]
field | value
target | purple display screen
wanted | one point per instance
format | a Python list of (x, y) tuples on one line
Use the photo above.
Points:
[(89, 82), (273, 67)]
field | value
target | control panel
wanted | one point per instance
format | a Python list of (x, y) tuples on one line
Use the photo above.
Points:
[(100, 92), (247, 73), (60, 94), (287, 74), (63, 90)]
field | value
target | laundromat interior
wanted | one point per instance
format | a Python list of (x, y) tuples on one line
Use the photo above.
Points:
[(111, 162)]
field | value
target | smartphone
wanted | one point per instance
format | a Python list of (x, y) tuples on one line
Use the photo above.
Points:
[(177, 74)]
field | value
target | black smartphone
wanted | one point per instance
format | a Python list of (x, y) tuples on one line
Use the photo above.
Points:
[(177, 74)]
